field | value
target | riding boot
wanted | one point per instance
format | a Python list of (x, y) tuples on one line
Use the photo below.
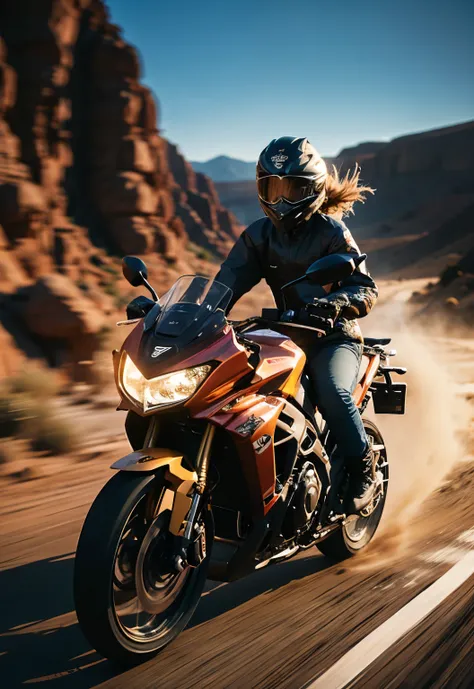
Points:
[(362, 484), (338, 478)]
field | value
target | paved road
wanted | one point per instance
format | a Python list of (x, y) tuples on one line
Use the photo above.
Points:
[(280, 627)]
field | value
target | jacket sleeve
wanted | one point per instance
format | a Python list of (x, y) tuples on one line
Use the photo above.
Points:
[(241, 270), (359, 289)]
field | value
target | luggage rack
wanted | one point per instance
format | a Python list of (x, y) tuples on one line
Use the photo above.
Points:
[(388, 397)]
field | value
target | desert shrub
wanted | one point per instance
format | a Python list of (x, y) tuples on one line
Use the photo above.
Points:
[(27, 410), (16, 409), (49, 433), (38, 383), (11, 411), (7, 419)]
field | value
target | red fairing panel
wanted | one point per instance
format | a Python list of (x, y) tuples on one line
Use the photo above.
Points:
[(253, 432)]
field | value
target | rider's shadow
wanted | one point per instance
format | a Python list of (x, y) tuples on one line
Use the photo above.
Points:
[(40, 640), (219, 598)]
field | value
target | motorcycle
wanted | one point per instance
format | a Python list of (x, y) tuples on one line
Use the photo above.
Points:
[(230, 469)]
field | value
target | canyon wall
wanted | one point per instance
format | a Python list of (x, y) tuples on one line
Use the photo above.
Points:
[(85, 177)]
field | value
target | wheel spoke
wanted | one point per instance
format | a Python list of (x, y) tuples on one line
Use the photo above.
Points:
[(362, 529), (151, 591)]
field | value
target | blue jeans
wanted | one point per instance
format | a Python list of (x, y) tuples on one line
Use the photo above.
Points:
[(334, 368)]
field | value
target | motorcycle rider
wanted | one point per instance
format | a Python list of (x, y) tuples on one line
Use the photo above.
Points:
[(299, 198)]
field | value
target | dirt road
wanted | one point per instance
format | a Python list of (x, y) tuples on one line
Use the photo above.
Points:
[(283, 626)]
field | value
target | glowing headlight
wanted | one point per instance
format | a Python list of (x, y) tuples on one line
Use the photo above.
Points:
[(167, 389)]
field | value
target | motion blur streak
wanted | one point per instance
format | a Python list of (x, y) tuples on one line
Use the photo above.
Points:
[(369, 649)]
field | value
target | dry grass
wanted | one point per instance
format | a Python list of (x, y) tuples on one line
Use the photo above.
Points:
[(27, 410), (50, 434), (38, 383), (14, 408)]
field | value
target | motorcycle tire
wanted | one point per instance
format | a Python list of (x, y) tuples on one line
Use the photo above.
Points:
[(104, 605), (355, 535)]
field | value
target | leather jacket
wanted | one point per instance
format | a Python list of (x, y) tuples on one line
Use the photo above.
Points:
[(263, 252)]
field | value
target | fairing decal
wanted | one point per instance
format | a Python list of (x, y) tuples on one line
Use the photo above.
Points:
[(259, 468)]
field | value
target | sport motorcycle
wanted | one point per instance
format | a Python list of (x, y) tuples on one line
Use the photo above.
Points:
[(231, 462)]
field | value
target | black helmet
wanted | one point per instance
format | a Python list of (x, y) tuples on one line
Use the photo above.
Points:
[(291, 181)]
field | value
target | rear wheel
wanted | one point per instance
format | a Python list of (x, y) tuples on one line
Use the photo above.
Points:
[(130, 600), (359, 530)]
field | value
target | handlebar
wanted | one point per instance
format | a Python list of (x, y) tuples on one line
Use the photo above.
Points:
[(240, 326)]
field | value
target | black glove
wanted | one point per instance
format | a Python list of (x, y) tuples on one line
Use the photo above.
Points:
[(322, 308), (323, 313), (343, 306), (139, 307)]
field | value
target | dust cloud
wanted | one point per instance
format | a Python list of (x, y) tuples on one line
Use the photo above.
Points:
[(425, 443)]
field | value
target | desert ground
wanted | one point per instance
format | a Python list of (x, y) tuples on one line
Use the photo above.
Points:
[(287, 624)]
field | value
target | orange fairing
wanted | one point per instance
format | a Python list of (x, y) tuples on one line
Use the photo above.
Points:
[(291, 385), (366, 381), (279, 355)]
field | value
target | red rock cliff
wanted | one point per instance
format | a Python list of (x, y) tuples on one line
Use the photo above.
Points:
[(84, 176)]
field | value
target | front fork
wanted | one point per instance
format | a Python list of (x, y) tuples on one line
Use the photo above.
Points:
[(192, 549), (189, 541)]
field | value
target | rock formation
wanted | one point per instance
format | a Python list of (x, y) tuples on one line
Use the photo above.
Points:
[(448, 149), (84, 178)]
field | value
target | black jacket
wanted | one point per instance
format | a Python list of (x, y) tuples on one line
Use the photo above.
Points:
[(264, 252)]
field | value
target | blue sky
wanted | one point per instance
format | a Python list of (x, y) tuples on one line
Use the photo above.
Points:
[(230, 75)]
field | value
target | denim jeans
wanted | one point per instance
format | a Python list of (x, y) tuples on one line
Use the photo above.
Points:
[(334, 368)]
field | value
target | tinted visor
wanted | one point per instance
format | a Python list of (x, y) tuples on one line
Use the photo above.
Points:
[(293, 189)]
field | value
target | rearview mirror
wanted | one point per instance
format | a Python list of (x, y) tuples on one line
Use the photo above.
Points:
[(333, 268), (134, 270)]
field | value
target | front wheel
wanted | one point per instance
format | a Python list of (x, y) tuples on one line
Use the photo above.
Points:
[(359, 530), (130, 600)]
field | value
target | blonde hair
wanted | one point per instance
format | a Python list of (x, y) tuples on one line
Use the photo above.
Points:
[(341, 194)]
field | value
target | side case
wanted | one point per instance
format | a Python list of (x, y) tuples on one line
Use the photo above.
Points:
[(389, 399)]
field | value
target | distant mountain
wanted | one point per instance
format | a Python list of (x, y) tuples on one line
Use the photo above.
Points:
[(225, 169)]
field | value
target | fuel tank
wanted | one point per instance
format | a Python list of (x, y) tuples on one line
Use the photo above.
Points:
[(279, 357)]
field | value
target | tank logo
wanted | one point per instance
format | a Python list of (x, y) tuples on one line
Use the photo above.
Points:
[(158, 351), (250, 426), (261, 443), (279, 159)]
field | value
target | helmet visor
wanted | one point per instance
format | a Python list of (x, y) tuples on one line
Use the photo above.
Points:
[(291, 188)]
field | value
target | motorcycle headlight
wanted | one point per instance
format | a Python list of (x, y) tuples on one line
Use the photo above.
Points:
[(169, 388)]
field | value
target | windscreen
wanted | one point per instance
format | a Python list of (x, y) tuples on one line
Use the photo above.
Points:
[(190, 302)]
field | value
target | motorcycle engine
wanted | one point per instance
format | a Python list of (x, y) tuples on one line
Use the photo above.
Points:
[(306, 496)]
